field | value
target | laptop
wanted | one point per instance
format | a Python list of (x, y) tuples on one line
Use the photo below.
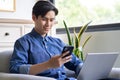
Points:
[(97, 66)]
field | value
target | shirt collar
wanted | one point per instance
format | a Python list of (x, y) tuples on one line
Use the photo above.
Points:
[(37, 35)]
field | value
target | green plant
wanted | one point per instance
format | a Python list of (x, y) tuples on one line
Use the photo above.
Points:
[(76, 40)]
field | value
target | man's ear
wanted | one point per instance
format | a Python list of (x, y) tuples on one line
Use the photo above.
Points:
[(33, 17)]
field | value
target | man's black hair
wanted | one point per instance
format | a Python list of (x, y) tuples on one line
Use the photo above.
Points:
[(42, 7)]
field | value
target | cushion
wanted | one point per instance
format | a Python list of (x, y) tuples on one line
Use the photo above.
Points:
[(115, 73), (7, 76), (4, 60)]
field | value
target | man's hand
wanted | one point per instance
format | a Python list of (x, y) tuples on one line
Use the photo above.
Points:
[(58, 61)]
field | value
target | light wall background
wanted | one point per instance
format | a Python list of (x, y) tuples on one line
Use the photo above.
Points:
[(23, 10)]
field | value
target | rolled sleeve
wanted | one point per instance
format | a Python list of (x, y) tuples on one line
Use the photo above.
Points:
[(24, 69)]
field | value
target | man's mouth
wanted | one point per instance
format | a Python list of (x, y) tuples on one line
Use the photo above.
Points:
[(47, 29)]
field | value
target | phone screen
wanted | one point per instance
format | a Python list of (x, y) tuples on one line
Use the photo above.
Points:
[(68, 48)]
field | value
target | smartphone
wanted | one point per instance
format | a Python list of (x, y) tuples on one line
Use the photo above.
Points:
[(68, 48)]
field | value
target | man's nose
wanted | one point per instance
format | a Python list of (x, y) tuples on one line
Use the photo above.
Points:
[(48, 22)]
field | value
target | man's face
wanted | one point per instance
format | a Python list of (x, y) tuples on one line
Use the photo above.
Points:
[(44, 24)]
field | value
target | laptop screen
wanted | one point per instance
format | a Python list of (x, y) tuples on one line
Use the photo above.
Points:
[(97, 65)]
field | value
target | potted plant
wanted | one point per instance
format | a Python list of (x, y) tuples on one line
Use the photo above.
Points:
[(76, 40)]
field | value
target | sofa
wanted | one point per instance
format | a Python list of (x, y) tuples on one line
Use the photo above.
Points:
[(4, 70), (5, 75)]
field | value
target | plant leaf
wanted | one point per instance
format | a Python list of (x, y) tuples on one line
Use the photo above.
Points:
[(86, 41), (76, 40), (83, 28), (68, 33)]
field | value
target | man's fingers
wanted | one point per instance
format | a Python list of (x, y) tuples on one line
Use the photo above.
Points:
[(67, 59), (65, 53)]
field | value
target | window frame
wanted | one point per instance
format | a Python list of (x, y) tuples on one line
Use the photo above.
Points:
[(92, 28)]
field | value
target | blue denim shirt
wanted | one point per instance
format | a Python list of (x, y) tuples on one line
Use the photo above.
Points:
[(32, 48)]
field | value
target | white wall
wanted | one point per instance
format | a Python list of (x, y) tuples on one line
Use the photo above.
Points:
[(23, 10), (104, 41)]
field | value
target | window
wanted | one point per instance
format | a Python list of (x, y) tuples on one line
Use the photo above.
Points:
[(78, 12)]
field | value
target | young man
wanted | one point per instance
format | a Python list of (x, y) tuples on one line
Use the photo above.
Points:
[(37, 53)]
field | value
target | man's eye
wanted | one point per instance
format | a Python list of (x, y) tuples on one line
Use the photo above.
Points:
[(52, 20)]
